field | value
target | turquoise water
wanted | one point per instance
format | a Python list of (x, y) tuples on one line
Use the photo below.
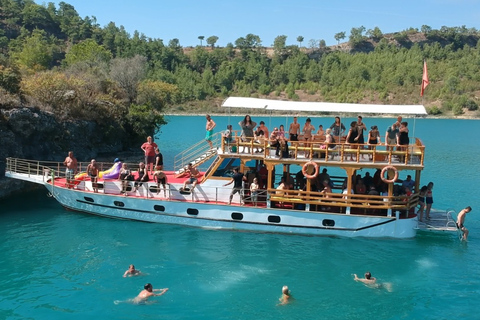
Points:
[(57, 264)]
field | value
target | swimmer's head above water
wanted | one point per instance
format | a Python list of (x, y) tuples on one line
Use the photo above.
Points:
[(148, 287), (285, 290), (368, 275)]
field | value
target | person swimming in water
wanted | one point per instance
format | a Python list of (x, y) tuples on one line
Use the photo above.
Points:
[(286, 296), (131, 271), (372, 282), (148, 292)]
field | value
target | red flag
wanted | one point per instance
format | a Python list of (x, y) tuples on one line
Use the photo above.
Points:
[(424, 78)]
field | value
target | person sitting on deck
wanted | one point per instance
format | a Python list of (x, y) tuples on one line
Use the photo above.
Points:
[(263, 128), (125, 176), (193, 173), (273, 141), (283, 148), (259, 138), (227, 135), (408, 183), (360, 187), (142, 175)]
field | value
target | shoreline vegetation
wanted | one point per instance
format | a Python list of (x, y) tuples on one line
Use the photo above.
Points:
[(121, 85)]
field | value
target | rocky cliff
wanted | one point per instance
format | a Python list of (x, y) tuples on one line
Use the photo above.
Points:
[(29, 133)]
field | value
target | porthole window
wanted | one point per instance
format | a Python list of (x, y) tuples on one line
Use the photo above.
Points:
[(159, 208), (237, 216), (88, 199), (192, 212), (119, 204), (275, 219), (328, 223)]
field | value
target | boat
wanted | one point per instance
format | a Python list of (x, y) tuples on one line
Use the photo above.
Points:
[(301, 209)]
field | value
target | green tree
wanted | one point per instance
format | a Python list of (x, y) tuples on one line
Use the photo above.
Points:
[(376, 34), (300, 40), (201, 40), (36, 53), (212, 40), (87, 51), (356, 37), (340, 36)]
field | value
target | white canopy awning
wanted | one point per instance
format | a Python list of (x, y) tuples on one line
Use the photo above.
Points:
[(295, 106)]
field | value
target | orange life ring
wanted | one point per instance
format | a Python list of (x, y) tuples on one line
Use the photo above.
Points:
[(304, 170), (395, 177)]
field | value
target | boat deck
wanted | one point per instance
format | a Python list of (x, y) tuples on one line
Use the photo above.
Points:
[(440, 221)]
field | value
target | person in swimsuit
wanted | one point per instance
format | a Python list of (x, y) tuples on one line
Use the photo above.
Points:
[(161, 179), (294, 130), (372, 282), (158, 159), (373, 138), (247, 126), (421, 201), (131, 271), (286, 296), (71, 164), (320, 133), (148, 292), (461, 221), (194, 173), (92, 171), (209, 127), (428, 200), (307, 134), (125, 176), (142, 176), (352, 137)]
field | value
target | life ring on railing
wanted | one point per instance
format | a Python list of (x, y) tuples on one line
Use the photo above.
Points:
[(395, 176), (304, 170)]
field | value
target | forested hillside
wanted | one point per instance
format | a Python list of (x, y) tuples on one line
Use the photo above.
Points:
[(55, 60)]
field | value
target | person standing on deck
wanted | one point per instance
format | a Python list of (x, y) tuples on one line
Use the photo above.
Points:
[(71, 164), (461, 221), (294, 130), (209, 127), (338, 129), (360, 128), (92, 171), (237, 179), (149, 150)]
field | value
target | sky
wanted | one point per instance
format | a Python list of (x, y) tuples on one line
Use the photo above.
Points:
[(229, 20)]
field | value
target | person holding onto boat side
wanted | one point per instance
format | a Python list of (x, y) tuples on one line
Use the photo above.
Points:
[(209, 128), (125, 176), (149, 150), (461, 221), (421, 202), (92, 172), (142, 176), (193, 177), (71, 164), (131, 271), (286, 296), (294, 130), (148, 292), (237, 179), (161, 179)]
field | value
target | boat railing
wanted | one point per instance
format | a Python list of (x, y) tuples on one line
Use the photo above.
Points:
[(412, 154), (196, 154)]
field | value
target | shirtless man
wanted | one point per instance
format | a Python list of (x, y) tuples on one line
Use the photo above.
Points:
[(92, 171), (263, 128), (294, 130), (71, 164), (372, 282), (148, 292), (131, 271), (461, 221), (286, 296), (209, 127), (194, 173)]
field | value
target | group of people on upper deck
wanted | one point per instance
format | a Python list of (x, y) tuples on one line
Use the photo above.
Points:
[(395, 135)]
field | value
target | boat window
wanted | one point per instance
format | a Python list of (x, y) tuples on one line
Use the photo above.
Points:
[(237, 216), (192, 212), (119, 204), (159, 208), (153, 189), (275, 219), (88, 199), (328, 223)]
